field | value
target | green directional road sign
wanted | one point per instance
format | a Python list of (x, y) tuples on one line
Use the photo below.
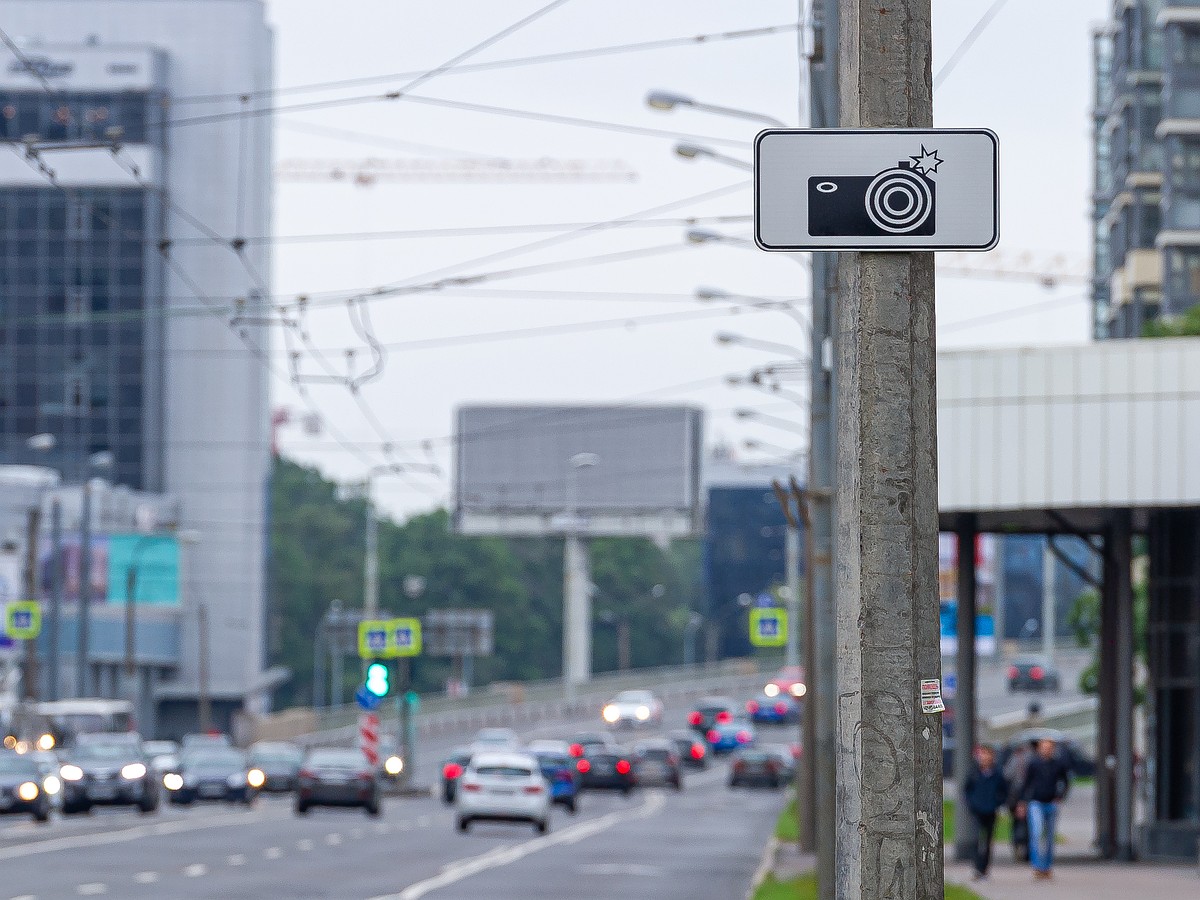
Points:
[(768, 627), (404, 637), (372, 638), (23, 620)]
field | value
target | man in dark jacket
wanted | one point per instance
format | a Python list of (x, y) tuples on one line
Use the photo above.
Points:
[(985, 791), (1047, 781)]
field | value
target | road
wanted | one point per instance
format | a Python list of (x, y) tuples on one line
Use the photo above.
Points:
[(702, 842)]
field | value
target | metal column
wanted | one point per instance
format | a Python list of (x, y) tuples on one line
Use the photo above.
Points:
[(577, 614), (1106, 748), (1123, 793), (964, 700)]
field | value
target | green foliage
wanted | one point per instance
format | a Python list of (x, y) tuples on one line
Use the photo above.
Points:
[(1084, 619), (317, 555), (787, 827), (1001, 834), (804, 887), (1186, 325)]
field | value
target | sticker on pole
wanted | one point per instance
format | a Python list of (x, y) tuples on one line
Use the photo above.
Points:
[(876, 189), (23, 620), (768, 627), (931, 696)]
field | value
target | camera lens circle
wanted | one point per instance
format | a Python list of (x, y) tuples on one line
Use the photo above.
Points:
[(898, 201)]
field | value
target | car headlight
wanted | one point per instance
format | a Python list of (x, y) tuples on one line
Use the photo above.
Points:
[(71, 773), (28, 791), (643, 713), (798, 690), (22, 746), (393, 765), (172, 781), (133, 771), (51, 785), (611, 713), (771, 690), (45, 742), (256, 778)]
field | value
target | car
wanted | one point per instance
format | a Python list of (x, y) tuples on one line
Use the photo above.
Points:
[(789, 681), (205, 739), (48, 765), (728, 735), (763, 766), (503, 787), (452, 768), (107, 770), (214, 773), (163, 756), (633, 708), (583, 741), (22, 787), (548, 746), (782, 709), (1069, 749), (1032, 673), (605, 767), (558, 768), (657, 762), (496, 739), (692, 749), (335, 776), (279, 762), (390, 760), (711, 711)]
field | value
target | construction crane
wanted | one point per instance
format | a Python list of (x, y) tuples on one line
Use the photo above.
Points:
[(471, 170)]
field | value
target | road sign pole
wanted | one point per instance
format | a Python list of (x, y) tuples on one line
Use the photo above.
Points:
[(889, 816), (31, 593)]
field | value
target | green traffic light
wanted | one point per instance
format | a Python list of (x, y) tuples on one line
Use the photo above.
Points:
[(377, 679)]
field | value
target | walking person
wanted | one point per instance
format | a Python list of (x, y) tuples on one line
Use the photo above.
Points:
[(1014, 774), (985, 791), (1047, 781)]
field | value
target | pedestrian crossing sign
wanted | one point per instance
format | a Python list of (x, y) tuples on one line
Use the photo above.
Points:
[(372, 638), (405, 637), (768, 627), (23, 620)]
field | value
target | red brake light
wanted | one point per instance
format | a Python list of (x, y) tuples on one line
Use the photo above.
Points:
[(695, 718), (1013, 672), (713, 736), (583, 766), (772, 766), (752, 707), (781, 708), (724, 717), (743, 737), (450, 771), (1036, 673), (740, 764), (623, 767), (533, 788), (470, 786), (697, 751), (577, 750)]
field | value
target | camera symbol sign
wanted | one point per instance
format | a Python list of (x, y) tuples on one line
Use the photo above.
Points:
[(874, 189)]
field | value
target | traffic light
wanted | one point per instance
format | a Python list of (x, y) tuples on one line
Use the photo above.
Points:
[(377, 679)]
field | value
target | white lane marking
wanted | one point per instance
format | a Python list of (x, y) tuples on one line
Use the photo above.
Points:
[(237, 859), (621, 869), (195, 870), (383, 828), (273, 852), (146, 877), (304, 844), (422, 821), (404, 826), (92, 889), (25, 897), (356, 834), (333, 839), (503, 856)]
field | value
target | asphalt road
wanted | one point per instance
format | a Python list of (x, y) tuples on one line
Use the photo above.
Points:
[(703, 842)]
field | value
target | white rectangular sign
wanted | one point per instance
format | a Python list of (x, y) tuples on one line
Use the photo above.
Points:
[(876, 189)]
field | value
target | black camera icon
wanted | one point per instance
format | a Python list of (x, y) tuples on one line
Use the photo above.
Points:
[(895, 201)]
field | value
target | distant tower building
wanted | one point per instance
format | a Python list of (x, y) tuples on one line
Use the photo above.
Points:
[(120, 272)]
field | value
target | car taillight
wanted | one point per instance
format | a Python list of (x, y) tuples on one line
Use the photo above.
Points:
[(470, 786), (577, 750), (450, 771), (1036, 673), (583, 766), (562, 775), (697, 751), (713, 736), (781, 708), (752, 707), (533, 788), (366, 775), (743, 737), (695, 718), (772, 766), (672, 759), (307, 773), (1013, 672), (724, 717), (739, 765), (623, 767)]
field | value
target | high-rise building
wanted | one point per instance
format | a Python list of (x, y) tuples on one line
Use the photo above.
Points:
[(128, 183)]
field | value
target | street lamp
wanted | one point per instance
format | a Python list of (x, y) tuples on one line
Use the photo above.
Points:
[(577, 600), (697, 151), (741, 340), (776, 421), (371, 555), (666, 101)]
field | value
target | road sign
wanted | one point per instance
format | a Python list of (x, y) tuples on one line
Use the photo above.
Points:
[(378, 682), (23, 620), (366, 700), (876, 189), (368, 736), (768, 627), (372, 638), (404, 637)]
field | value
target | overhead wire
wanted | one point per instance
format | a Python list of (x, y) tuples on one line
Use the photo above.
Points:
[(971, 37)]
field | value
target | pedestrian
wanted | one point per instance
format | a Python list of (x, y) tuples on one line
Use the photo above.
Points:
[(1014, 774), (1047, 781), (986, 791)]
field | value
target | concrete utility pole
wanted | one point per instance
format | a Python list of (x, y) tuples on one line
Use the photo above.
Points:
[(889, 772), (33, 529), (577, 585), (82, 681)]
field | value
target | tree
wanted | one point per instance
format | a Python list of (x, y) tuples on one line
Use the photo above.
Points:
[(1185, 325)]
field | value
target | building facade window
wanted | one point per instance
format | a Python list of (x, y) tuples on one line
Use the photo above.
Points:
[(74, 117), (1183, 278)]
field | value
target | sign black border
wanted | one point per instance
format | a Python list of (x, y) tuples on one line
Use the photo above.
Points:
[(892, 248)]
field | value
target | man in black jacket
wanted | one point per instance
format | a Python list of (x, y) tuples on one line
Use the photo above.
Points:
[(1047, 781), (985, 791)]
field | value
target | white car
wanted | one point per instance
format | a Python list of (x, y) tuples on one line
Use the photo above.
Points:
[(633, 708), (502, 787), (496, 739)]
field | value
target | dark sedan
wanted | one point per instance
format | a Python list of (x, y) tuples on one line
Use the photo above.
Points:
[(338, 777), (606, 768), (102, 772), (214, 773), (712, 711), (452, 768), (582, 742), (691, 747), (280, 764), (764, 767), (1031, 673), (22, 787), (657, 762)]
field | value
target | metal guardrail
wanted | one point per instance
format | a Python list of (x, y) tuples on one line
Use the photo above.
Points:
[(517, 703), (1076, 718)]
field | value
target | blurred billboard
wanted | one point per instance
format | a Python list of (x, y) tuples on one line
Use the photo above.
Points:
[(591, 470)]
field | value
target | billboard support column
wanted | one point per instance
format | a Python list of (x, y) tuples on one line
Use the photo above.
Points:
[(56, 596), (577, 615), (34, 525)]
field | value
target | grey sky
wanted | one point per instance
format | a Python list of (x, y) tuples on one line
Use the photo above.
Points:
[(1027, 78)]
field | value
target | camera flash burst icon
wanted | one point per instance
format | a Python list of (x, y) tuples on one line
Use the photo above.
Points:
[(927, 163)]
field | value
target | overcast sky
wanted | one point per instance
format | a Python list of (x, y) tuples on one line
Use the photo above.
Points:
[(1027, 77)]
